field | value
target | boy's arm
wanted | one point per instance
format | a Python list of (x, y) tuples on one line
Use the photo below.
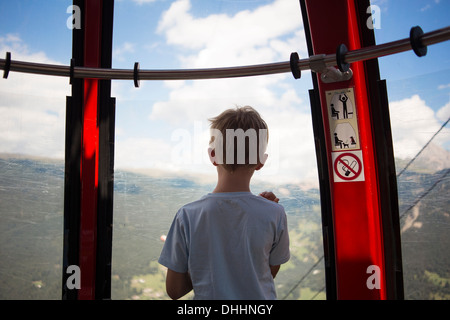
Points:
[(177, 284), (272, 197)]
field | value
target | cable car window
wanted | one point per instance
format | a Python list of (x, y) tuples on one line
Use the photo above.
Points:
[(162, 131), (419, 105), (162, 137), (32, 130)]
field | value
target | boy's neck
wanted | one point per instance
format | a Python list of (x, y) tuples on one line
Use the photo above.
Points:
[(237, 181)]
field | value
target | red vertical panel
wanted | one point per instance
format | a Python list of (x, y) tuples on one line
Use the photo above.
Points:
[(356, 213), (89, 156)]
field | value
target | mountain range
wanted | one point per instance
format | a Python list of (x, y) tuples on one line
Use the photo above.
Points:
[(31, 225)]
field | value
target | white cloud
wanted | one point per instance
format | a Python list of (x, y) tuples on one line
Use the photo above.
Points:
[(248, 37), (291, 150), (291, 145), (142, 153), (429, 5), (32, 107), (231, 40), (425, 8), (444, 86), (141, 2), (444, 113), (413, 124), (383, 4), (120, 51)]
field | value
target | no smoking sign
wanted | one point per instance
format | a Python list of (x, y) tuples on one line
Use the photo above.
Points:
[(348, 166)]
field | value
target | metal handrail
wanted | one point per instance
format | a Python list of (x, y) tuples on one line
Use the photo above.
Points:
[(328, 60)]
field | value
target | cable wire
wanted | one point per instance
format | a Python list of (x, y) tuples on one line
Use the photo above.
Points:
[(304, 276), (415, 157), (317, 293), (423, 195)]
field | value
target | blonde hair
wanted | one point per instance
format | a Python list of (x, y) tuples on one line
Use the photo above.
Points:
[(231, 131)]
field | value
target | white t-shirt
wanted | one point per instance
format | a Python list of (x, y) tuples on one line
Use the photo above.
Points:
[(227, 241)]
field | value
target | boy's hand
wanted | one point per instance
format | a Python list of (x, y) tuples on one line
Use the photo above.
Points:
[(269, 196)]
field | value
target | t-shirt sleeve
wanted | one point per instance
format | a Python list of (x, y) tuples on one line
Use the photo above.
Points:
[(280, 249), (174, 254)]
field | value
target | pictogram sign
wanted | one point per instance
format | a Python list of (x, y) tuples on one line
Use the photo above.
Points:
[(342, 119), (348, 166)]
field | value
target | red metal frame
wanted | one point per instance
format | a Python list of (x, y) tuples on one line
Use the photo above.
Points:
[(89, 155), (356, 209), (358, 234)]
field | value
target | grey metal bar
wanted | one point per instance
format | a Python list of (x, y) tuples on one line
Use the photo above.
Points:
[(376, 51)]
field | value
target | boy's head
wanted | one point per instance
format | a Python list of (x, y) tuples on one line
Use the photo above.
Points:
[(238, 139)]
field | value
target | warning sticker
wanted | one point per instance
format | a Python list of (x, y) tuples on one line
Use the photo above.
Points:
[(348, 166), (342, 119)]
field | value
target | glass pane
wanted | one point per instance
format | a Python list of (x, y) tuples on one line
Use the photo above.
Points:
[(32, 113), (419, 90), (161, 160)]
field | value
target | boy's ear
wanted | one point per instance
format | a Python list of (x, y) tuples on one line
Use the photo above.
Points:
[(263, 161), (264, 158), (212, 156)]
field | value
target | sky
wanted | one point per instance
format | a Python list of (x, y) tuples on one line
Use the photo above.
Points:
[(162, 126)]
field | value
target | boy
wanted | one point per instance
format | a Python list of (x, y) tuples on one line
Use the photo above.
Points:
[(230, 243)]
